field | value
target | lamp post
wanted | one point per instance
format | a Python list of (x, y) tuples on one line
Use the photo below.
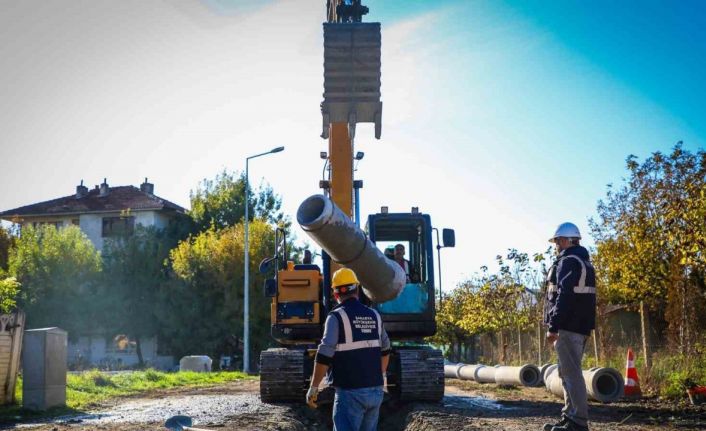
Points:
[(449, 241), (246, 278), (438, 253)]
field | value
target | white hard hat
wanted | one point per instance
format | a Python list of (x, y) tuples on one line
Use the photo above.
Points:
[(566, 230)]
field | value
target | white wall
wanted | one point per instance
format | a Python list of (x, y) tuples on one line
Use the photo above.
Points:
[(94, 351), (92, 224), (144, 218), (161, 221)]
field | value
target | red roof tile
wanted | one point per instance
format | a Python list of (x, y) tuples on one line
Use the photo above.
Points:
[(118, 199)]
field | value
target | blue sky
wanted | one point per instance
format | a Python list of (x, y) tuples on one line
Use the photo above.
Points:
[(501, 119)]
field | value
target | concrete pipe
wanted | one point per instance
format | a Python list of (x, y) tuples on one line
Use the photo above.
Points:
[(382, 278), (451, 370), (542, 371), (485, 374), (469, 372), (552, 381), (604, 385), (547, 371), (526, 375)]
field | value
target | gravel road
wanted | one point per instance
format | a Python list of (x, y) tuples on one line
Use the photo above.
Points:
[(466, 406)]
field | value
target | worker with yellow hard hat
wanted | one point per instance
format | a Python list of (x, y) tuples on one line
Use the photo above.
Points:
[(353, 355)]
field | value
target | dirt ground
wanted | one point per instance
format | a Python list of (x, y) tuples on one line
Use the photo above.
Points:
[(466, 406)]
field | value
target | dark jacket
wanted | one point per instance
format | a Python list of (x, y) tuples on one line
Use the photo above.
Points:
[(571, 293)]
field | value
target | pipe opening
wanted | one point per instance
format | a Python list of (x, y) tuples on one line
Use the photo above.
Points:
[(310, 210), (530, 376), (607, 385)]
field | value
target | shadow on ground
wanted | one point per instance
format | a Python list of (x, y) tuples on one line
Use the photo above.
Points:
[(11, 415)]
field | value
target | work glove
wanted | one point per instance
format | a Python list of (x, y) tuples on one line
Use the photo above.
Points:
[(311, 396)]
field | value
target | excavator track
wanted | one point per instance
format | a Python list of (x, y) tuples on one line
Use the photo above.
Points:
[(283, 375), (420, 374)]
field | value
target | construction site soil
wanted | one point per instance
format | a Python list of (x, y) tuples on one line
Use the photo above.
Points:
[(466, 406)]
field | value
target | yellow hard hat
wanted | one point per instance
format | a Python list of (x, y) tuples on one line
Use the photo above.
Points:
[(344, 277)]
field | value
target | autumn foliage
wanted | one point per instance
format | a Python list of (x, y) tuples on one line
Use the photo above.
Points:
[(650, 239)]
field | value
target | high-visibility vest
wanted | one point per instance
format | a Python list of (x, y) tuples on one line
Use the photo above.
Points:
[(356, 363), (581, 317)]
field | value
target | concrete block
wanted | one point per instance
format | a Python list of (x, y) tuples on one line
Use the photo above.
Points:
[(195, 363), (44, 368)]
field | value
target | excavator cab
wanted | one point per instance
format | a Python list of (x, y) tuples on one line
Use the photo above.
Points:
[(410, 315)]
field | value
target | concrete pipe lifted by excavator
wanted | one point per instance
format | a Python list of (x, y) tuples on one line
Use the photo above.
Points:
[(301, 293), (382, 278)]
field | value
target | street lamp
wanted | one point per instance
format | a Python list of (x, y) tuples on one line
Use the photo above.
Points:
[(438, 259), (449, 241), (246, 281)]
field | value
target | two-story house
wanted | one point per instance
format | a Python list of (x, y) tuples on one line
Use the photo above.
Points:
[(102, 213)]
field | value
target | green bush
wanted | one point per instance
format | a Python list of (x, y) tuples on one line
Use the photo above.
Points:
[(101, 380), (669, 374), (153, 376), (9, 289), (674, 385)]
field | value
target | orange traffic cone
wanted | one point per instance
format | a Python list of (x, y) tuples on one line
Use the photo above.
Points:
[(632, 382)]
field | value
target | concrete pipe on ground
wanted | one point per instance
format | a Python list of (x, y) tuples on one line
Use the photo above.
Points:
[(604, 385), (552, 381), (451, 370), (526, 375), (485, 374), (382, 278), (469, 372), (547, 371), (607, 384), (542, 371)]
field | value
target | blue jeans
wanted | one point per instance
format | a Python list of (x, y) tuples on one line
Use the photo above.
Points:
[(357, 409)]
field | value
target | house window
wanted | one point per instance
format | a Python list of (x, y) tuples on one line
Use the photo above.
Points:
[(75, 222), (119, 345), (118, 226)]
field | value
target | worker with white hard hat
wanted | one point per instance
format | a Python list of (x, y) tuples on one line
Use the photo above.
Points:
[(570, 316)]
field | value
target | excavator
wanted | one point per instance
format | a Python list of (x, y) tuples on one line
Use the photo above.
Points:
[(301, 293)]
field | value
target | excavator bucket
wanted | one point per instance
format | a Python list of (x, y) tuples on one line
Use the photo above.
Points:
[(351, 76)]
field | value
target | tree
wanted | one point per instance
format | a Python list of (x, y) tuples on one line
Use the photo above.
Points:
[(58, 271), (220, 203), (498, 301), (207, 298), (6, 243), (650, 236), (135, 269), (491, 302), (448, 325), (9, 288)]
